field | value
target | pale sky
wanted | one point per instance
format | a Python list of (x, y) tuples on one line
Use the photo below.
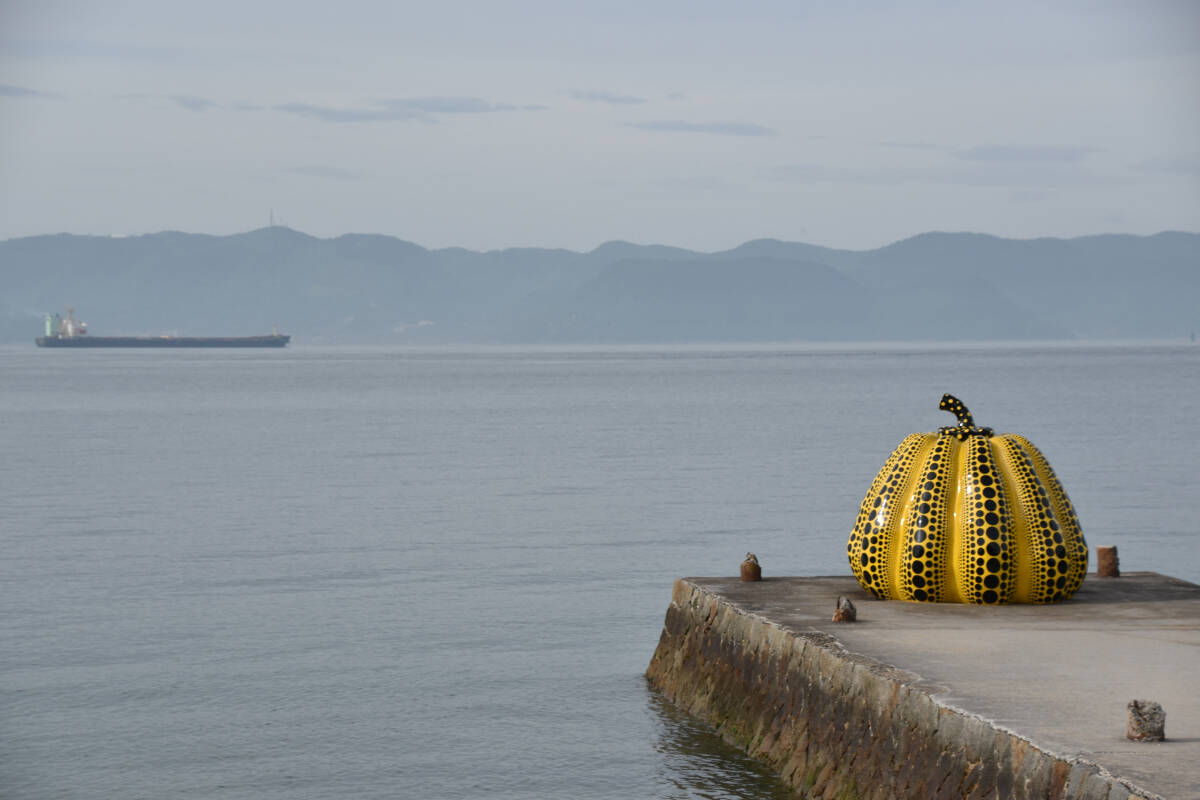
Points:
[(691, 123)]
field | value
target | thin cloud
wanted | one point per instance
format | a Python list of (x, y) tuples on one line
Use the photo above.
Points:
[(1014, 175), (1178, 165), (608, 98), (327, 172), (821, 173), (698, 184), (927, 146), (193, 103), (453, 105), (1026, 196), (1041, 154), (330, 114), (188, 101), (400, 109), (721, 128), (8, 90)]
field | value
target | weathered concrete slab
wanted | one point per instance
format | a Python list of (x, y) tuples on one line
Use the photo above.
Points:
[(1058, 676)]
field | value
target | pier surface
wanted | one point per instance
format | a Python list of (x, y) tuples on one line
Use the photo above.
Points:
[(1056, 676)]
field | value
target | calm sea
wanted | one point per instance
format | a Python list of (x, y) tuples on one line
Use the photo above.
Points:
[(362, 573)]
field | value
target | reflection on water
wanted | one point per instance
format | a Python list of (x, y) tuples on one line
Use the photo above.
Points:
[(697, 763)]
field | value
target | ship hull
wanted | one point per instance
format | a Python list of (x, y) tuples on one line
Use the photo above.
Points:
[(274, 340)]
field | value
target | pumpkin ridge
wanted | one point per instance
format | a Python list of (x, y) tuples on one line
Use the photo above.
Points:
[(858, 548), (997, 529), (1043, 529), (866, 548), (922, 562), (1023, 556), (1070, 535), (879, 518), (1050, 536), (956, 580), (892, 538)]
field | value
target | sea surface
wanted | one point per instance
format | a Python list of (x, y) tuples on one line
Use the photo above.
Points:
[(440, 573)]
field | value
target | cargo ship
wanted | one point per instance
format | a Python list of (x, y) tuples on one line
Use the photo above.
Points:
[(70, 332)]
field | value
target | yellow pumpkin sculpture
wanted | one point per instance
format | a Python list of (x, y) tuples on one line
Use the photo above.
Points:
[(967, 516)]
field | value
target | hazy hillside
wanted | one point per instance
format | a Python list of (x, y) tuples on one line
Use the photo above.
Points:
[(372, 288)]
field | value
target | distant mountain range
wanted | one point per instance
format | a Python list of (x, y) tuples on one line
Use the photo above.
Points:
[(370, 288)]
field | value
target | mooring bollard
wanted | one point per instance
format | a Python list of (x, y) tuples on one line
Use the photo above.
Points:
[(1107, 563), (845, 611), (1147, 721), (751, 571)]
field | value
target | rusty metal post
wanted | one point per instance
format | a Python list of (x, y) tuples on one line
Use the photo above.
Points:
[(1107, 563), (751, 571), (845, 611)]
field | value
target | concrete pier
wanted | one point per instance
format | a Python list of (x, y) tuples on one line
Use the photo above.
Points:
[(940, 700)]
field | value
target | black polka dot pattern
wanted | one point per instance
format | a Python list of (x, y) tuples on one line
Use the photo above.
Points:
[(1063, 511), (984, 562), (870, 546), (965, 515), (1064, 551), (955, 406), (927, 528)]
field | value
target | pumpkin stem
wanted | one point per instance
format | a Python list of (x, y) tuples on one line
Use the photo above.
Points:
[(966, 423), (955, 406)]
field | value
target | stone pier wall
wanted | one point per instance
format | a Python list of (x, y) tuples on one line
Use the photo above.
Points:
[(836, 725)]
